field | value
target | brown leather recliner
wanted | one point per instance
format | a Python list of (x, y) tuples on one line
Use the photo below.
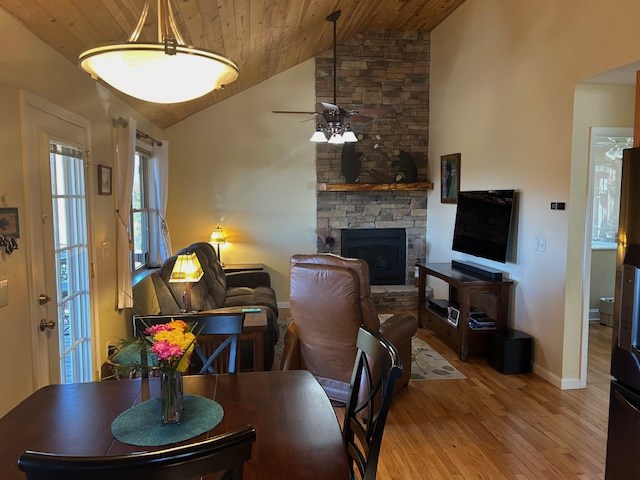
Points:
[(330, 298)]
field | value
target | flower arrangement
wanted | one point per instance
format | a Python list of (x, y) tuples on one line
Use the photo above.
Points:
[(172, 343)]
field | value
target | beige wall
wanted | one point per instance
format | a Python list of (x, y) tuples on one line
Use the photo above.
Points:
[(27, 63), (503, 75), (251, 171)]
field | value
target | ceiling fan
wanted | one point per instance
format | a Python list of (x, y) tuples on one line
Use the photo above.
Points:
[(337, 120)]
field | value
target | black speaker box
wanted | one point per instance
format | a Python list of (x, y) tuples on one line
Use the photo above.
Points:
[(509, 351)]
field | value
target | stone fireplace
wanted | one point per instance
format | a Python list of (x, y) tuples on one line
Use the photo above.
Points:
[(384, 250), (388, 69)]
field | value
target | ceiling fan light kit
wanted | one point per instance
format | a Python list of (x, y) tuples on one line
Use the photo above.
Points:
[(166, 71), (336, 130)]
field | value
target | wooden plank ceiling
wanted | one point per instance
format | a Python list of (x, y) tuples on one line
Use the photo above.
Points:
[(264, 37)]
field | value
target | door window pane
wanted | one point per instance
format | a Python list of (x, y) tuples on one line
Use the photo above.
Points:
[(72, 262), (606, 194)]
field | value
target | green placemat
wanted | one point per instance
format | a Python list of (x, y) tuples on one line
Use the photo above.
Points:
[(142, 424)]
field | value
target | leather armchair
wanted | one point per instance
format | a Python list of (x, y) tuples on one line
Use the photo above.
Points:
[(330, 298)]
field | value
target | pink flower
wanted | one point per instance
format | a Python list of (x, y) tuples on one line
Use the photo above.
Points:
[(153, 329), (167, 351)]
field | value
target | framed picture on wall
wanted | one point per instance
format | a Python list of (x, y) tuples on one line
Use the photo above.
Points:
[(450, 178), (9, 223), (104, 180)]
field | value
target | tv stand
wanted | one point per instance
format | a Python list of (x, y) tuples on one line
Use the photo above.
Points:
[(467, 292), (479, 270)]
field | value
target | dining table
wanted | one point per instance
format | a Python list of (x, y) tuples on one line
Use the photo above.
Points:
[(297, 433)]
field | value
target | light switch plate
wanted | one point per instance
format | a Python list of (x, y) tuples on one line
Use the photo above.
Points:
[(4, 292)]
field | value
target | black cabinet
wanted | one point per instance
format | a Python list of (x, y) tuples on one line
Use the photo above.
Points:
[(623, 447)]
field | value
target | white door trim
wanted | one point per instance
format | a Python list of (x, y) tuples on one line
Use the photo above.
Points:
[(32, 220), (586, 262)]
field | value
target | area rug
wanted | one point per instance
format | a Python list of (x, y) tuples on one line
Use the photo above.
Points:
[(426, 363)]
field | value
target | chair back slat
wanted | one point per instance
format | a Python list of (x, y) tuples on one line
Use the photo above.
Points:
[(224, 453), (208, 325), (377, 367)]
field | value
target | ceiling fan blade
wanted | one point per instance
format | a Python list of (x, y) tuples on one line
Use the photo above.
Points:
[(330, 106), (359, 118), (295, 112)]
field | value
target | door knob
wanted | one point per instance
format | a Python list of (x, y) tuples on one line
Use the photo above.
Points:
[(44, 324), (43, 299)]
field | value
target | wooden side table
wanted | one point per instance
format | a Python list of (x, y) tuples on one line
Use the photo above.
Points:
[(255, 324), (242, 267)]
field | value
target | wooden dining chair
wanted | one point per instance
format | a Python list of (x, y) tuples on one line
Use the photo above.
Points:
[(377, 367), (226, 454), (217, 324)]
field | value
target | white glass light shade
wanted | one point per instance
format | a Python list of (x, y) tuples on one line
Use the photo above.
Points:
[(349, 136), (145, 71), (336, 139), (187, 269), (318, 137)]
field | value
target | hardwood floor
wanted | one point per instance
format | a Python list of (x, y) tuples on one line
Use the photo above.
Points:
[(494, 426)]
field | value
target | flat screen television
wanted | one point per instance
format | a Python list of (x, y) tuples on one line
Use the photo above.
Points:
[(483, 223)]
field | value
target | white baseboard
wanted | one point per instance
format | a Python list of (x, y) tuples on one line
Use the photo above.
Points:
[(561, 383)]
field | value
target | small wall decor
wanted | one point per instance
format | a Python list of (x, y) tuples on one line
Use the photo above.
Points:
[(9, 223), (9, 229), (104, 180), (450, 178)]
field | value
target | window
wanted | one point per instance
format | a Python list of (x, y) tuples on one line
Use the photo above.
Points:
[(140, 212), (606, 189)]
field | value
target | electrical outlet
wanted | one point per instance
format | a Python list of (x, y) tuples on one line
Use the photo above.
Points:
[(541, 244)]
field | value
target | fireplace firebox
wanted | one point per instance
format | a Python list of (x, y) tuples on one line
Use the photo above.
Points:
[(384, 249)]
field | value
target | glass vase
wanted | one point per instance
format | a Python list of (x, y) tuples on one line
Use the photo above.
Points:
[(172, 397)]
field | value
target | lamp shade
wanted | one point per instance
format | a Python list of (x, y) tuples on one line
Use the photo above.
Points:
[(318, 137), (187, 269), (217, 236), (349, 137)]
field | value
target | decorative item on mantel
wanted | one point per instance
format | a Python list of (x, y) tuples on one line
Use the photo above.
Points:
[(402, 169)]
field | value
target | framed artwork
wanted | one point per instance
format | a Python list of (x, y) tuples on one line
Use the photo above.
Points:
[(104, 180), (9, 224), (450, 178)]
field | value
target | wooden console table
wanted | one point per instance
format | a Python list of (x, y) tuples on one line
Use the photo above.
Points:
[(467, 291)]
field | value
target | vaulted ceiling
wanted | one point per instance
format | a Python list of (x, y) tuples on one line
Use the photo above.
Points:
[(264, 37)]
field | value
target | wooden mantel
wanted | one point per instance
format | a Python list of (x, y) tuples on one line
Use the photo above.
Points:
[(364, 187)]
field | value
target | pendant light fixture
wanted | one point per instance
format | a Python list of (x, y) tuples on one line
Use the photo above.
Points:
[(166, 71)]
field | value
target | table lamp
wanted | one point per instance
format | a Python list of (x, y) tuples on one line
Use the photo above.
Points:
[(187, 270), (217, 237)]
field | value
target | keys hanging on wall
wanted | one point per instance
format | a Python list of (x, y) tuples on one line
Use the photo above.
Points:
[(8, 244)]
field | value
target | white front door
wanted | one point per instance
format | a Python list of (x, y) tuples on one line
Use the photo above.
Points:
[(57, 213)]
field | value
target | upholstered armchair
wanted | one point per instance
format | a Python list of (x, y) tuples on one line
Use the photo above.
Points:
[(330, 298)]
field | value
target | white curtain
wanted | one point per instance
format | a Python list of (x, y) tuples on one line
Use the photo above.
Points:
[(125, 155), (160, 241)]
